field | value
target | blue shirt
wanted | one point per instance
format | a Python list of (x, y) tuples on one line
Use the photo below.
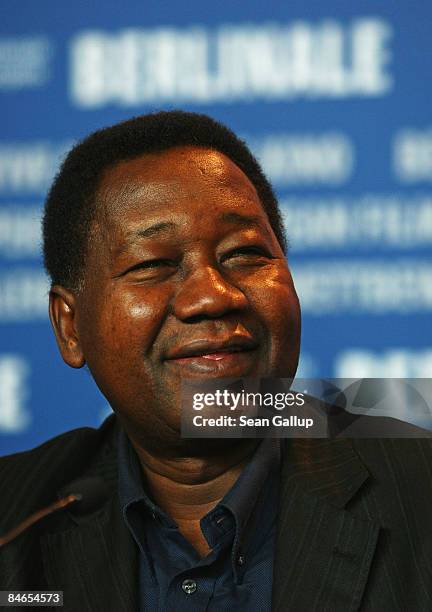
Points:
[(237, 574)]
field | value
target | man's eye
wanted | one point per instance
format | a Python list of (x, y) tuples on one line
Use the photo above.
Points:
[(151, 264), (154, 263), (247, 252)]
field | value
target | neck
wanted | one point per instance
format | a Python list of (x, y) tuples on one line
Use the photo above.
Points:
[(184, 484), (187, 488)]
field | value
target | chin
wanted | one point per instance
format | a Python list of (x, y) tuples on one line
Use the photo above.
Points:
[(171, 444)]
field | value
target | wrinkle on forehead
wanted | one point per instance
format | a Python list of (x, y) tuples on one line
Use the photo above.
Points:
[(133, 192), (158, 176)]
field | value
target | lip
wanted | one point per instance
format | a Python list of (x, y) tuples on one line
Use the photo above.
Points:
[(221, 358), (212, 349)]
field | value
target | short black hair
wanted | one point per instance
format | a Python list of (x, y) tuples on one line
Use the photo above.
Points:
[(70, 204)]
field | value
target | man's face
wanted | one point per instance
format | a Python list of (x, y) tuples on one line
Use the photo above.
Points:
[(184, 279)]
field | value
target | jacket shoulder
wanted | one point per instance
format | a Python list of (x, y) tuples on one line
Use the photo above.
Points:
[(62, 443), (30, 479), (410, 456)]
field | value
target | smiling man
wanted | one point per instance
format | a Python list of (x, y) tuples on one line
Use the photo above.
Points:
[(179, 268), (166, 252)]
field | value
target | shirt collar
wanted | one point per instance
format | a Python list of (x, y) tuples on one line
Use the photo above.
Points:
[(131, 485)]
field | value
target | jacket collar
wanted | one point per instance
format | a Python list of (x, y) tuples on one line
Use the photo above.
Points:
[(329, 469)]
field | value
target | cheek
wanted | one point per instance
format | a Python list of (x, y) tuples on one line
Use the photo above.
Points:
[(283, 314), (134, 318), (275, 297), (280, 315)]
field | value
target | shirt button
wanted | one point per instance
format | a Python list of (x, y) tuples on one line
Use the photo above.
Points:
[(189, 586), (240, 560)]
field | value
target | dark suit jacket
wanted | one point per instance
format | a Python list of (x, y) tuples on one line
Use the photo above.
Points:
[(354, 526)]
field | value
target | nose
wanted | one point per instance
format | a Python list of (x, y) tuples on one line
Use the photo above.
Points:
[(206, 293)]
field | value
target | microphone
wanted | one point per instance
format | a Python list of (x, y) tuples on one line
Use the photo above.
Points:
[(82, 496), (90, 492)]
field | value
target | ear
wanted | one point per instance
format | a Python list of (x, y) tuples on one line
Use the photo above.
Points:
[(62, 312)]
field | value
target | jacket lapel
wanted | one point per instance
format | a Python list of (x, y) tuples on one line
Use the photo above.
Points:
[(323, 553)]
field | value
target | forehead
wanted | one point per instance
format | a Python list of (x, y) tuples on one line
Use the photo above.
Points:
[(186, 179)]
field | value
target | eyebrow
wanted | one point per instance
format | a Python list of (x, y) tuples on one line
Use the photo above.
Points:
[(242, 220), (153, 230), (147, 232)]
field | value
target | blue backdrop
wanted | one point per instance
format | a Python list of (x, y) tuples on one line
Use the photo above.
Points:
[(333, 99)]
